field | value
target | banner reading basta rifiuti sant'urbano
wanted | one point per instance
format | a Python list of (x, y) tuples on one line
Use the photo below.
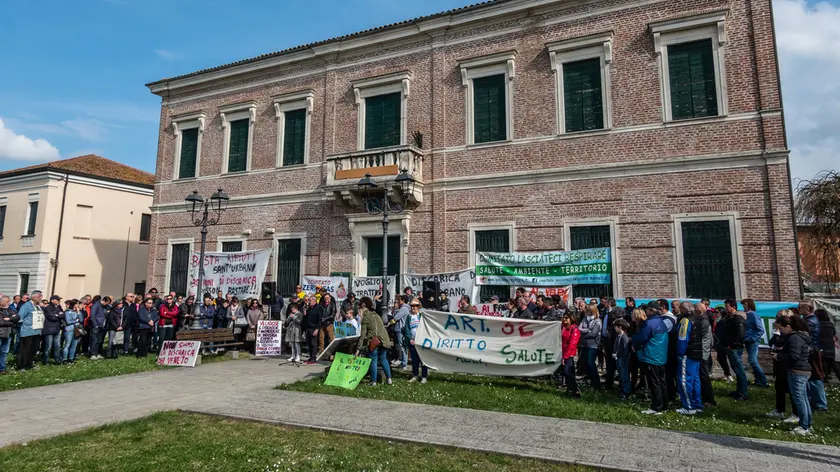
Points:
[(544, 269)]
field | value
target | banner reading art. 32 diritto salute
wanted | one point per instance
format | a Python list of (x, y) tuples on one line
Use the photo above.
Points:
[(543, 269)]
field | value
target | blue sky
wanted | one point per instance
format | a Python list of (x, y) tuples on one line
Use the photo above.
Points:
[(73, 71)]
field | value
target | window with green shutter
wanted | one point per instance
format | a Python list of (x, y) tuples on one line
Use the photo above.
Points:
[(590, 237), (374, 256), (382, 120), (294, 137), (238, 147), (489, 115), (582, 95), (707, 259), (691, 70), (189, 153), (495, 240)]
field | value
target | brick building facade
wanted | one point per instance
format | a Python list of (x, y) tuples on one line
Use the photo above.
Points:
[(654, 127)]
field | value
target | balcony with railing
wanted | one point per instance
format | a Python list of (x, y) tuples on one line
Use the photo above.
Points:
[(384, 164)]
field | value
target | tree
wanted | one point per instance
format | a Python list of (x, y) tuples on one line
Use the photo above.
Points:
[(818, 213)]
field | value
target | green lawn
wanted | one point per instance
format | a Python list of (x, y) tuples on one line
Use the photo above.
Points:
[(184, 442), (83, 369), (541, 398)]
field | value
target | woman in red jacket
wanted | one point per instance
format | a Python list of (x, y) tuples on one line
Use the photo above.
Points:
[(570, 337), (168, 320)]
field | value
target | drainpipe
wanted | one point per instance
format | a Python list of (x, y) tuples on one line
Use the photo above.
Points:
[(60, 226)]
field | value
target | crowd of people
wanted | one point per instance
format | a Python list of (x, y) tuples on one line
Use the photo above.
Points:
[(659, 350)]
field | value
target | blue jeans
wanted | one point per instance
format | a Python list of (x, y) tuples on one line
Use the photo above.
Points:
[(128, 331), (623, 365), (97, 335), (798, 385), (752, 357), (52, 341), (70, 343), (416, 362), (592, 368), (736, 362), (816, 394), (377, 356), (5, 343), (401, 350)]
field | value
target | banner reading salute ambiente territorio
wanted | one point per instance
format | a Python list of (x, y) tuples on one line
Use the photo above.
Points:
[(471, 344), (542, 269)]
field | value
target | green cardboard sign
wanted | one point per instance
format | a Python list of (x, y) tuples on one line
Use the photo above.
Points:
[(347, 371)]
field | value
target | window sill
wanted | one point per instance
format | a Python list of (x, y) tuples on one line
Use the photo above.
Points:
[(27, 236), (589, 132), (694, 121), (144, 242), (489, 144), (292, 166), (186, 179)]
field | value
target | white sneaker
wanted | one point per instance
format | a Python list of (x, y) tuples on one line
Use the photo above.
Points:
[(422, 381), (373, 384), (776, 415), (729, 379), (792, 419), (801, 432), (390, 382), (413, 379), (297, 359), (395, 364), (652, 412), (684, 411)]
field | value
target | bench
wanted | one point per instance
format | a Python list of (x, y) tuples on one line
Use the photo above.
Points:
[(221, 337)]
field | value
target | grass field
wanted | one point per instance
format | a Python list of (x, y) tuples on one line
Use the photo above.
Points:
[(185, 442), (83, 369), (541, 398)]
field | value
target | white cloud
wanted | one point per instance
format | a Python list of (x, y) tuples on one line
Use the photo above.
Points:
[(167, 55), (18, 147), (808, 39), (90, 129)]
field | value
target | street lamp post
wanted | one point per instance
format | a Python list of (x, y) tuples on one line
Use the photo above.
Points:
[(204, 212), (374, 205)]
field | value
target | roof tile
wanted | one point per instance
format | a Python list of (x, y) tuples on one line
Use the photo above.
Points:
[(90, 165)]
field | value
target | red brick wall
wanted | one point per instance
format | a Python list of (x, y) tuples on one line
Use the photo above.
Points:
[(643, 205)]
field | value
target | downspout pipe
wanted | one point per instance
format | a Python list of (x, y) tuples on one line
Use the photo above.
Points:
[(60, 227)]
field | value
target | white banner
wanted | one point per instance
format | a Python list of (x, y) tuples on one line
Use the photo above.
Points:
[(180, 353), (369, 286), (238, 273), (454, 284), (450, 342), (269, 338), (336, 286)]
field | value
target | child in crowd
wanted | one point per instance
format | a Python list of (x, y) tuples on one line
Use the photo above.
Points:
[(350, 317), (621, 353)]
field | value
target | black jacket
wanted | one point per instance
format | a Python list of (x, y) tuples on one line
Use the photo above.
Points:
[(53, 315), (827, 332), (115, 319), (312, 319), (328, 317), (6, 326), (130, 314), (796, 352), (694, 350), (733, 333)]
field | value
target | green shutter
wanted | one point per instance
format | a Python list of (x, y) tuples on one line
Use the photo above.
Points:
[(294, 137), (374, 256), (691, 70), (238, 149), (288, 265), (382, 120), (497, 240), (590, 237), (707, 259), (489, 116), (582, 98), (189, 153)]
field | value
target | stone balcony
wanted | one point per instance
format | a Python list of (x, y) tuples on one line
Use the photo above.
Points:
[(383, 164)]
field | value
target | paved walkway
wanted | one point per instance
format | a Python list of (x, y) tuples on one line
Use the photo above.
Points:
[(244, 389), (594, 444), (56, 409)]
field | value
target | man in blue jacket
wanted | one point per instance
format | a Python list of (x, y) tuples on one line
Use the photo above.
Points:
[(31, 323), (651, 345), (753, 335), (689, 357)]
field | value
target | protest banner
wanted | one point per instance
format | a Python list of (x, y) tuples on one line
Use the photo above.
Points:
[(471, 344), (179, 353), (454, 284), (563, 292), (269, 338), (238, 273), (339, 344), (544, 269), (347, 371), (343, 329), (491, 309), (370, 286), (335, 285)]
